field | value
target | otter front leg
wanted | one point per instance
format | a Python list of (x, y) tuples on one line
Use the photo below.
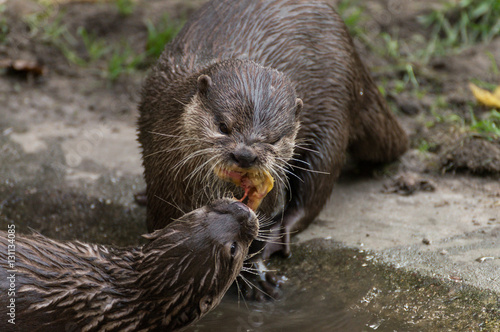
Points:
[(279, 235), (311, 187)]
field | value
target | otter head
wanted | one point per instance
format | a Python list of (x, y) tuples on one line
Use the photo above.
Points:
[(247, 116), (193, 261)]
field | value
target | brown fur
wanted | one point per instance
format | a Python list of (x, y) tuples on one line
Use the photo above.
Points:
[(259, 57), (180, 275)]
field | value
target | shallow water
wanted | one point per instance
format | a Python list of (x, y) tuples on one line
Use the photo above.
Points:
[(328, 287), (331, 288)]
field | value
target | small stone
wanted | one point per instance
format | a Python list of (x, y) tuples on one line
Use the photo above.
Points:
[(426, 241), (485, 258), (443, 252)]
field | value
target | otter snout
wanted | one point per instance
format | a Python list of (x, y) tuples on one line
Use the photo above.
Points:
[(243, 220), (237, 209), (244, 157)]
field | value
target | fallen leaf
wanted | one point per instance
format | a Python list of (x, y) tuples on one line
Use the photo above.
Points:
[(486, 97)]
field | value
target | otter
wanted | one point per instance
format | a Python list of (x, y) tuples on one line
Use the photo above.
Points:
[(274, 86), (173, 280)]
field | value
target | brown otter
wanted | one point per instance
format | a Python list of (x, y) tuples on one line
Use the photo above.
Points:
[(180, 275), (224, 95)]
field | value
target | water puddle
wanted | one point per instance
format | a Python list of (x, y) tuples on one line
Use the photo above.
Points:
[(329, 287)]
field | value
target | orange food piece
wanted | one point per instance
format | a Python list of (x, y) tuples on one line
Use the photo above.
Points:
[(256, 183)]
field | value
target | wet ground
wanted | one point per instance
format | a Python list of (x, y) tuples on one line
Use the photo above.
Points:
[(414, 246)]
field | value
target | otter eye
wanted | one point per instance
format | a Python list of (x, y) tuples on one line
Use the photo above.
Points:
[(234, 246), (223, 128)]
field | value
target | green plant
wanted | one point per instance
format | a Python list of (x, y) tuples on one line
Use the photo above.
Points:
[(47, 25), (490, 125), (465, 22), (392, 47), (123, 60), (352, 13), (426, 146), (125, 7), (96, 48), (4, 27), (161, 34), (483, 84), (494, 66), (440, 111)]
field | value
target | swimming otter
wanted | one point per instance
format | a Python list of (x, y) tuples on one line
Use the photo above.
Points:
[(175, 279), (274, 86)]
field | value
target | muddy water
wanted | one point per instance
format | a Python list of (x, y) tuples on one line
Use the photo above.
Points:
[(328, 287), (331, 288)]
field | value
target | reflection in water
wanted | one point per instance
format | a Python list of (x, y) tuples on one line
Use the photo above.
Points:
[(287, 314)]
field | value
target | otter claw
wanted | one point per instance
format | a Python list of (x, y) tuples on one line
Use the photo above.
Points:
[(264, 286)]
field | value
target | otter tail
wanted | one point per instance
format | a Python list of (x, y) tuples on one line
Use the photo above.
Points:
[(376, 135)]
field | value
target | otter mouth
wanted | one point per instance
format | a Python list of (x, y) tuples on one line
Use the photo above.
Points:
[(256, 183)]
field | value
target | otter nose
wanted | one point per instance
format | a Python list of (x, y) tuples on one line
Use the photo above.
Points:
[(244, 157)]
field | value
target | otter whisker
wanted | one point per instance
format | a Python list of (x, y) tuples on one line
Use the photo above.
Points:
[(250, 256), (173, 205), (283, 180), (180, 102), (250, 271), (273, 241), (253, 269), (177, 136), (265, 225), (197, 169), (193, 155), (180, 147), (306, 149), (240, 293), (311, 171), (250, 284), (300, 161), (177, 167), (290, 172)]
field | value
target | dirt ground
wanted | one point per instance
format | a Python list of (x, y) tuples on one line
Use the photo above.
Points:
[(67, 130)]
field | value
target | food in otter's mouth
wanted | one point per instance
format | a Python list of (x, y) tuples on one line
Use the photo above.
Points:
[(256, 183)]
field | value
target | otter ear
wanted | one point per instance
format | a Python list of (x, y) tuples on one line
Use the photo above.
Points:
[(204, 83), (299, 104)]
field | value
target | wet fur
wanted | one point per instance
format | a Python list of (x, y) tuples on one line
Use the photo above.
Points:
[(180, 275), (300, 47)]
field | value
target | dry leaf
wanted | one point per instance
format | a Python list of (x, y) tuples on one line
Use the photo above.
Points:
[(485, 97)]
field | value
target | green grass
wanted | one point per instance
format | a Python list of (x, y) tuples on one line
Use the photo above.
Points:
[(120, 58), (4, 27), (483, 84), (125, 7), (48, 27), (352, 13), (425, 146), (465, 22), (494, 65), (490, 125), (96, 48), (123, 60), (159, 35)]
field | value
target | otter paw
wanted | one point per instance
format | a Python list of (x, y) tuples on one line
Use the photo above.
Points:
[(262, 288)]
